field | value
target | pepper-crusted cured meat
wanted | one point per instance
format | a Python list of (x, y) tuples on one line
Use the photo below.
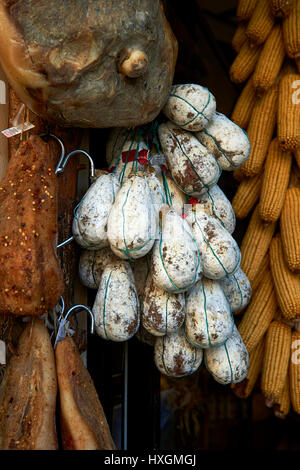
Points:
[(28, 393), (31, 280)]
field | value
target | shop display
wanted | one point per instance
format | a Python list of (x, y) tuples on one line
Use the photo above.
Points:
[(268, 193), (153, 235)]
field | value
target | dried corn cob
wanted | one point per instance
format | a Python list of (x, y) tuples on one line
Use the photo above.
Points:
[(243, 389), (264, 267), (281, 8), (259, 313), (255, 244), (288, 118), (243, 108), (244, 63), (295, 177), (239, 37), (283, 404), (294, 371), (245, 9), (297, 156), (270, 61), (260, 130), (261, 23), (275, 182), (246, 196), (290, 229), (286, 283), (291, 30), (276, 361), (297, 60)]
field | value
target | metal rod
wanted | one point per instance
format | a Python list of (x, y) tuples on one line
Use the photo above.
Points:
[(65, 242), (64, 160)]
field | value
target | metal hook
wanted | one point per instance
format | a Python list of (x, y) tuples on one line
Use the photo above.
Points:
[(82, 307), (64, 160), (62, 156)]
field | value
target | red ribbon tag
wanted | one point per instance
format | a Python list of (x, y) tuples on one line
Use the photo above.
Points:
[(193, 201), (130, 156)]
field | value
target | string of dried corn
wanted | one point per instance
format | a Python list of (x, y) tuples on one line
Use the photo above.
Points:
[(270, 61), (290, 229), (276, 361), (261, 23), (288, 118), (283, 404), (291, 30), (286, 283), (246, 196), (243, 108), (255, 244), (281, 8), (275, 182), (294, 371), (259, 313), (244, 63), (245, 9), (264, 267), (260, 130), (239, 37)]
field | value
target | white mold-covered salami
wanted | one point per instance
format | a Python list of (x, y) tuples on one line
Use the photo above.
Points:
[(132, 159), (219, 252), (193, 168), (90, 220), (174, 196), (133, 220), (228, 363), (156, 188), (237, 288), (141, 268), (226, 141), (209, 321), (116, 306), (161, 313), (190, 106), (175, 262), (215, 203), (175, 356), (92, 264)]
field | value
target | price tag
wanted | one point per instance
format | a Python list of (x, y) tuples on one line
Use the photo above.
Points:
[(2, 352), (11, 131)]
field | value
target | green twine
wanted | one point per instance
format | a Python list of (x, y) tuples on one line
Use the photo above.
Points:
[(235, 165), (195, 109), (195, 170), (104, 306), (164, 266), (214, 254)]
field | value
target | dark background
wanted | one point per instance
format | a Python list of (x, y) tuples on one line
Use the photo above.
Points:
[(195, 412)]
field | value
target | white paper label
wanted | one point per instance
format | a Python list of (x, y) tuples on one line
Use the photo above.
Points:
[(2, 352), (17, 129), (2, 92)]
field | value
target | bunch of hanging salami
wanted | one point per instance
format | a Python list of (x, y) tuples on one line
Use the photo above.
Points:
[(156, 232)]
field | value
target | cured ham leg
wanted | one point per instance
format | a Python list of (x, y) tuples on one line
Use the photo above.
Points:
[(28, 393), (83, 422), (31, 280)]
